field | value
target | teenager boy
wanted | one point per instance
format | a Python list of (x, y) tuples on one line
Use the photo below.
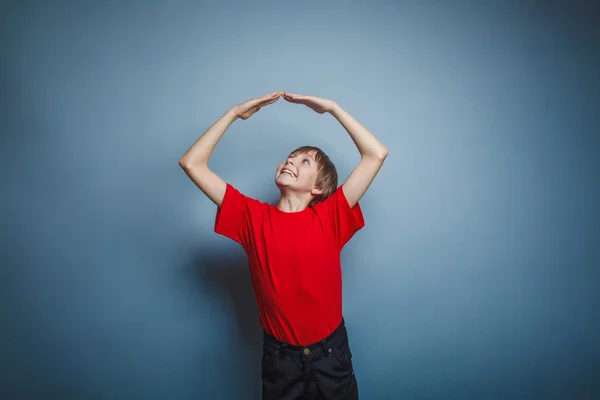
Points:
[(293, 250)]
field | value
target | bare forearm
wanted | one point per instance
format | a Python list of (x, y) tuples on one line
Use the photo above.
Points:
[(201, 150), (367, 144)]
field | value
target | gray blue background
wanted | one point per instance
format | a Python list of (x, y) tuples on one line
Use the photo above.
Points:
[(476, 276)]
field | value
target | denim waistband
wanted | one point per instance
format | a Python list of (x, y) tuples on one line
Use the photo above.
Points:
[(338, 333)]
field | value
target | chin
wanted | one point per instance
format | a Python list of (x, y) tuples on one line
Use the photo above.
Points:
[(281, 184)]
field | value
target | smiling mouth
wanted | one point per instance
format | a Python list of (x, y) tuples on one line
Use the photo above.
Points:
[(286, 171)]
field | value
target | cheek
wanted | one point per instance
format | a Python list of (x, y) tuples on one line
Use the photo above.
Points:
[(309, 176)]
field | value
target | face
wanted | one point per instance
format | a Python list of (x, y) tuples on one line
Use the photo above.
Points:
[(299, 173)]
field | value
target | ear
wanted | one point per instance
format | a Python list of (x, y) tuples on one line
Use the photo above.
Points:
[(316, 191)]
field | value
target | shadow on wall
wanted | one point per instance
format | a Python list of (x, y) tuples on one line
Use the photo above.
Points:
[(229, 275)]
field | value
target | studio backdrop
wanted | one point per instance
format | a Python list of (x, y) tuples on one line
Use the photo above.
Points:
[(475, 277)]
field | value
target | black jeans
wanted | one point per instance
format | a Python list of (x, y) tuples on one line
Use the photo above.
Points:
[(322, 370)]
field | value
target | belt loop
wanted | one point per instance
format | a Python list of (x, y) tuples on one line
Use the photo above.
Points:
[(325, 351)]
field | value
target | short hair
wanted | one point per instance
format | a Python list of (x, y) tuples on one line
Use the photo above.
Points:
[(327, 177)]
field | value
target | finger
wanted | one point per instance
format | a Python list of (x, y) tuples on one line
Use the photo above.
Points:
[(275, 95), (254, 102), (293, 100), (289, 96), (295, 95), (297, 100), (271, 102), (272, 94), (267, 102), (259, 102)]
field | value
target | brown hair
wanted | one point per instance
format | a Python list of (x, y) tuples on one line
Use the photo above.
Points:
[(327, 177)]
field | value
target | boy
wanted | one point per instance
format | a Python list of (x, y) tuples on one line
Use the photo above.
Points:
[(293, 250)]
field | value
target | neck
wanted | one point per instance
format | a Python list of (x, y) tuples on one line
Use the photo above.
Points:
[(290, 202)]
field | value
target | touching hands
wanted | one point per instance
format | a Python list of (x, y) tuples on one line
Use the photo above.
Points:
[(246, 109)]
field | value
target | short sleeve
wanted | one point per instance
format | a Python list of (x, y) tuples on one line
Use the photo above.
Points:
[(345, 221), (231, 219)]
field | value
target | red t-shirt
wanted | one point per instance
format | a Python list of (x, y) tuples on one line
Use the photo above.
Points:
[(294, 261)]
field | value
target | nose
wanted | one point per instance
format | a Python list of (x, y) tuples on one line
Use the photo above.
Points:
[(289, 162)]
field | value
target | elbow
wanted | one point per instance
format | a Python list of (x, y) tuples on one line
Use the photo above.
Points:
[(377, 156), (186, 164), (382, 154)]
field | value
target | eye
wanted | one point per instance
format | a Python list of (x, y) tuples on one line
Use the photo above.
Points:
[(306, 160)]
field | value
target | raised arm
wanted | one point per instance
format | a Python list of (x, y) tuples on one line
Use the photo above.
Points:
[(195, 160), (372, 151)]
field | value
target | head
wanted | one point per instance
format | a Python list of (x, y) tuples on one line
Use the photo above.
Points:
[(313, 172)]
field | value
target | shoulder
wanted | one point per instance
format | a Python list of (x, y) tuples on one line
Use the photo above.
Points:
[(336, 199), (234, 195)]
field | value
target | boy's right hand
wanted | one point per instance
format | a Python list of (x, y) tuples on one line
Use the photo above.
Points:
[(246, 109)]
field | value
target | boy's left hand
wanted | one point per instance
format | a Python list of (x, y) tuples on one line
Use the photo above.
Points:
[(318, 104)]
